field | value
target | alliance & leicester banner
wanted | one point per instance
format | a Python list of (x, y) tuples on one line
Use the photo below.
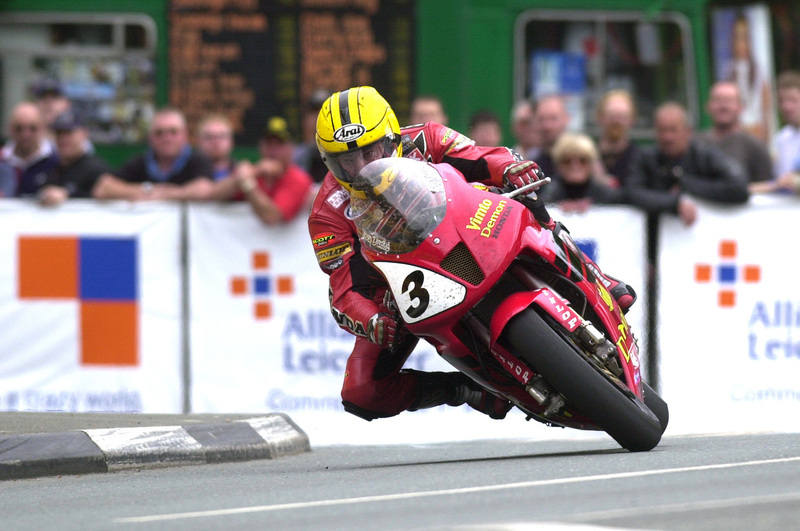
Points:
[(90, 307)]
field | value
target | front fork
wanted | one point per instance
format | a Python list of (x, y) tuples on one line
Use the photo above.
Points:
[(595, 345)]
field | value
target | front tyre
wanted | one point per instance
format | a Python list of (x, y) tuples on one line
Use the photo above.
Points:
[(628, 421), (656, 404)]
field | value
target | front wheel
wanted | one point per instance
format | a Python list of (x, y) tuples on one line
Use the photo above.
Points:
[(587, 391), (656, 404)]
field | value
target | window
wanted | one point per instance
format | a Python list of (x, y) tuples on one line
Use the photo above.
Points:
[(583, 54), (102, 63)]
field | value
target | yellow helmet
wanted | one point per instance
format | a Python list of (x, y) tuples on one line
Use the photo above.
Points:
[(354, 127)]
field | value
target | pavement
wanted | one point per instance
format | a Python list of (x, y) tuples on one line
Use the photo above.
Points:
[(46, 444)]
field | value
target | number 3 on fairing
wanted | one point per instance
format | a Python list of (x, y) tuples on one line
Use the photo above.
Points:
[(420, 293)]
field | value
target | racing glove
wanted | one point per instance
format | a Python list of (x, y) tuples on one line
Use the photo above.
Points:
[(382, 329), (522, 173)]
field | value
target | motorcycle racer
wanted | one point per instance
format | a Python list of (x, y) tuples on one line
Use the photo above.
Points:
[(355, 127)]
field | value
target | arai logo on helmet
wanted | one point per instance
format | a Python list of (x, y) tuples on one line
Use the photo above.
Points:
[(348, 133)]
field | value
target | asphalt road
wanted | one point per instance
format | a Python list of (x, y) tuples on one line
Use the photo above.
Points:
[(724, 482)]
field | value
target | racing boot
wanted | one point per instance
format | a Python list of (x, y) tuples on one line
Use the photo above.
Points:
[(454, 389), (620, 291)]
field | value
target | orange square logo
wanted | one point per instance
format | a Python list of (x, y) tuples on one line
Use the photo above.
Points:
[(285, 285), (752, 273), (109, 333), (260, 260), (48, 268), (238, 285), (263, 310), (727, 249), (727, 298), (702, 273)]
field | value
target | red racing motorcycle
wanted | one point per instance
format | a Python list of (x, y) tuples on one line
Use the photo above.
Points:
[(513, 305)]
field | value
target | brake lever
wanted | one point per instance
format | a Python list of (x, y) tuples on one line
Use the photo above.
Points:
[(532, 187)]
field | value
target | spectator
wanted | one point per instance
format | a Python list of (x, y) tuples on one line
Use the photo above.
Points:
[(575, 188), (306, 155), (677, 165), (787, 141), (8, 180), (427, 108), (51, 100), (169, 169), (725, 107), (276, 188), (29, 151), (215, 142), (484, 129), (616, 114), (551, 121), (77, 171), (523, 127)]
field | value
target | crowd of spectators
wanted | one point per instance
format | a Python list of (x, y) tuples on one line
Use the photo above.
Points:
[(724, 164), (49, 156)]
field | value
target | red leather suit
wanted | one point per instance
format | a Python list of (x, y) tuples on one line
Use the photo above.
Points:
[(373, 385)]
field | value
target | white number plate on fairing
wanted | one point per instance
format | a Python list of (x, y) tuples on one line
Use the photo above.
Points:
[(421, 293)]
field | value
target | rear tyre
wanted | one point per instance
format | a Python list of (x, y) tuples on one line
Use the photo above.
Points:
[(627, 420), (656, 404)]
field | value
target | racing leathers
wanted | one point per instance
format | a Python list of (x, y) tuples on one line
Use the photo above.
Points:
[(374, 384)]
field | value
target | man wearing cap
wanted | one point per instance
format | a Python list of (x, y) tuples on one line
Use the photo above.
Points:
[(276, 188), (77, 170), (169, 170), (29, 152)]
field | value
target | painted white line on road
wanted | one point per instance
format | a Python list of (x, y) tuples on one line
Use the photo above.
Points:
[(444, 492), (652, 510)]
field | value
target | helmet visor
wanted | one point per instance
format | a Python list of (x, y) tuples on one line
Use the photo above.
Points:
[(345, 166)]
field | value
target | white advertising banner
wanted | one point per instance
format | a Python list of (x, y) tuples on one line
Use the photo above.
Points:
[(729, 319), (90, 307), (263, 338)]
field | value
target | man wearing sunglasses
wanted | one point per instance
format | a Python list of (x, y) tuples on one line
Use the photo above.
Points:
[(28, 152), (169, 170)]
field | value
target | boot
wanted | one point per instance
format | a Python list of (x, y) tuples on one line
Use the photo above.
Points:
[(622, 292), (454, 389)]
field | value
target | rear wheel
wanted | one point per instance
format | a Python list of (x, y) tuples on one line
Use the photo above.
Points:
[(587, 391)]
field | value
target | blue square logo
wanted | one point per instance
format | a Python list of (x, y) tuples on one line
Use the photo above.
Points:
[(108, 269), (727, 274), (261, 285)]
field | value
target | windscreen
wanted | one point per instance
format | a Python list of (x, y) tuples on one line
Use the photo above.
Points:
[(404, 202)]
